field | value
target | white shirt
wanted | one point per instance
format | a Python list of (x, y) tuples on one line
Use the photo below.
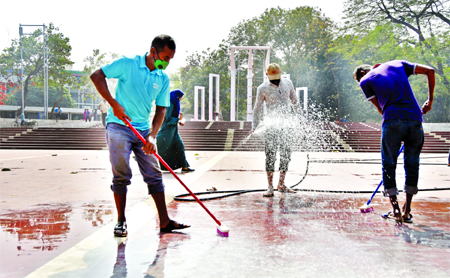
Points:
[(103, 106), (281, 103)]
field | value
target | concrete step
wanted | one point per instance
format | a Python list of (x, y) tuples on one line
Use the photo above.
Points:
[(359, 137)]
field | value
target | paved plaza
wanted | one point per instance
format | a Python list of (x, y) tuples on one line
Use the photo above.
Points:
[(57, 216)]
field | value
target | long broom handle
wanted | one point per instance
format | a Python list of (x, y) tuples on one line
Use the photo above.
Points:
[(171, 171), (381, 182)]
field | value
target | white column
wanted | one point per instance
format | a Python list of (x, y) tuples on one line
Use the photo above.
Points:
[(305, 102), (196, 103), (265, 77), (249, 79), (249, 85), (211, 93), (217, 96), (210, 97), (233, 88), (196, 89), (305, 97), (203, 103), (287, 76)]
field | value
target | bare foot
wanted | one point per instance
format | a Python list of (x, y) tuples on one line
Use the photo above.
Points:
[(406, 213), (284, 189), (396, 209)]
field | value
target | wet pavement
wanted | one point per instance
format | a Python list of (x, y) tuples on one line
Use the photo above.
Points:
[(57, 216)]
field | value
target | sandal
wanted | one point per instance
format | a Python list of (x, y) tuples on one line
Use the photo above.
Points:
[(269, 193), (171, 226), (407, 219), (284, 189), (120, 230), (390, 216)]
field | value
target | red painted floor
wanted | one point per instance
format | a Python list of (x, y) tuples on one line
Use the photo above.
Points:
[(55, 223), (304, 234)]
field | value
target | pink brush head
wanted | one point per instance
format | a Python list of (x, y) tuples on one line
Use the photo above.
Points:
[(366, 208), (223, 231)]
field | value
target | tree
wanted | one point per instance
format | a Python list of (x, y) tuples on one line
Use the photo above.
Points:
[(298, 38), (196, 73), (3, 93), (59, 51), (405, 29), (94, 62)]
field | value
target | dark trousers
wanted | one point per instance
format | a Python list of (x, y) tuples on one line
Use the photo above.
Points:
[(393, 133), (104, 119)]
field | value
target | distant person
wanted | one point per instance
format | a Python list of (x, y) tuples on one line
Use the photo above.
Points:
[(170, 145), (84, 114), (141, 81), (94, 114), (58, 113), (387, 87), (104, 107), (279, 96), (88, 115), (22, 119)]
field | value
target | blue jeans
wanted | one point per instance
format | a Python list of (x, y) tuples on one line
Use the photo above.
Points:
[(393, 133), (121, 142)]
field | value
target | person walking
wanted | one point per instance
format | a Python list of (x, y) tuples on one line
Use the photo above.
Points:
[(141, 81), (387, 87), (168, 140), (88, 115), (94, 114), (22, 119), (104, 107), (279, 96), (58, 113)]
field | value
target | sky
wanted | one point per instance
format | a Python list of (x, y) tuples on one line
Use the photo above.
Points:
[(128, 27)]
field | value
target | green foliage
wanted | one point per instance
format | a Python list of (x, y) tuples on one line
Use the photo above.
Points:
[(196, 73), (322, 57), (93, 63), (417, 31), (36, 97), (33, 45), (298, 39)]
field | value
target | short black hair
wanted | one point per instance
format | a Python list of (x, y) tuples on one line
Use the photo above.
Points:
[(358, 73), (159, 42)]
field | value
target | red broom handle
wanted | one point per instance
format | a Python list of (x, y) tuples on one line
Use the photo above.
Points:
[(171, 171)]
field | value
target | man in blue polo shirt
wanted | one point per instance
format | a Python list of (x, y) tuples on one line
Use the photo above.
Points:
[(387, 87), (141, 81)]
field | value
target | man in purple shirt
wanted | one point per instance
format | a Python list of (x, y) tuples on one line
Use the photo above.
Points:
[(387, 87)]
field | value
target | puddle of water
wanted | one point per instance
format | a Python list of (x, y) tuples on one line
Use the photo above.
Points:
[(318, 235), (34, 236)]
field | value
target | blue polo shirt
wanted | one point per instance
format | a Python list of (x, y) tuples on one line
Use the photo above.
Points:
[(390, 85), (137, 88)]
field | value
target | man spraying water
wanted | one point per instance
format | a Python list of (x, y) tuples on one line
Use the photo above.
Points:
[(283, 110)]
